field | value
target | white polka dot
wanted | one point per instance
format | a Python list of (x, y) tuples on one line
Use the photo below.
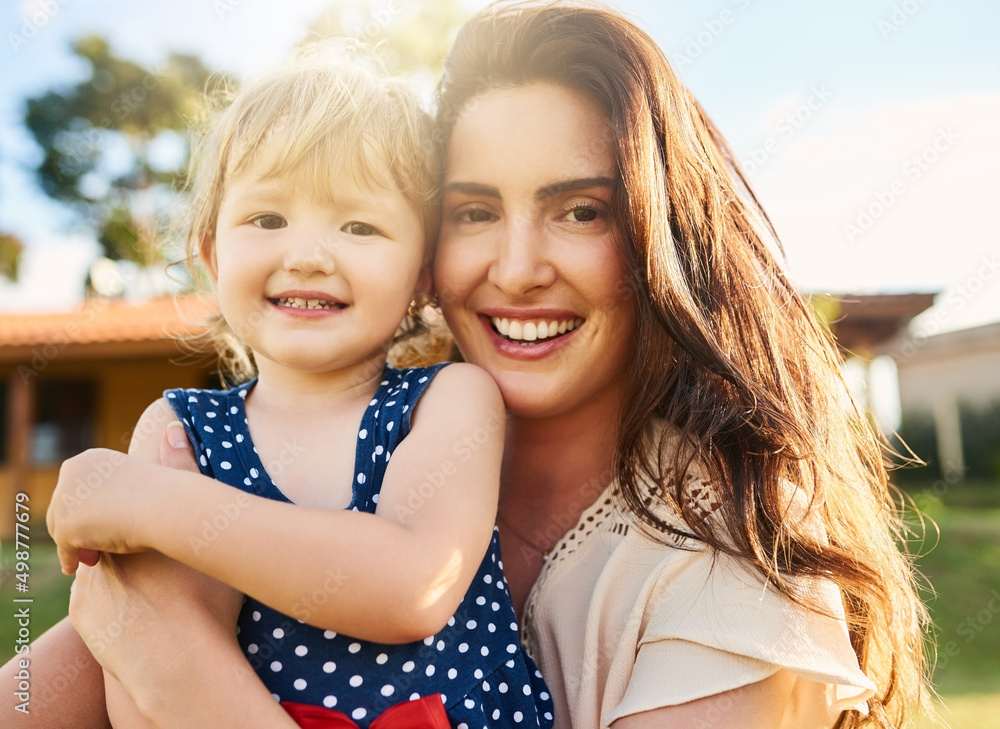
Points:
[(252, 648), (388, 690), (452, 673), (495, 606), (422, 379), (548, 715), (354, 648), (359, 713), (480, 600), (463, 725), (211, 415), (463, 647), (488, 579), (301, 650), (492, 628), (172, 395), (518, 716), (414, 696), (451, 620), (471, 625), (389, 426), (470, 704), (233, 410), (239, 437), (329, 701), (429, 640), (512, 648), (544, 695), (276, 666), (356, 681), (278, 633), (513, 626), (381, 659), (496, 714), (329, 667), (440, 645), (408, 666), (300, 684), (478, 673), (502, 688), (527, 690), (226, 465), (361, 478), (255, 615), (374, 498), (203, 461), (486, 685), (254, 472), (213, 401), (430, 670), (247, 482), (379, 450), (208, 429), (484, 650), (328, 634), (363, 434), (226, 444)]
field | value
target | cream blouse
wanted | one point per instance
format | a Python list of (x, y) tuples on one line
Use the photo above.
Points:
[(620, 623)]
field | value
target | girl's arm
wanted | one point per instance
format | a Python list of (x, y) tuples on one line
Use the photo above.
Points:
[(396, 576), (165, 633)]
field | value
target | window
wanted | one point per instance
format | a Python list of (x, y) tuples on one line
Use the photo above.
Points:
[(64, 423)]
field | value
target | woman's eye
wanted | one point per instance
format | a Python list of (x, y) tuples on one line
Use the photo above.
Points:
[(583, 214), (359, 229), (475, 215), (269, 222)]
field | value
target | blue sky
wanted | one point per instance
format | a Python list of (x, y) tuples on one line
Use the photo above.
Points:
[(871, 128)]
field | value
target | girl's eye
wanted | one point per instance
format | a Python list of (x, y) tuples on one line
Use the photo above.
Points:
[(269, 222), (359, 229)]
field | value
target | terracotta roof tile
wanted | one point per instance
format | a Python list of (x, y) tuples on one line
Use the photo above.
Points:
[(103, 320)]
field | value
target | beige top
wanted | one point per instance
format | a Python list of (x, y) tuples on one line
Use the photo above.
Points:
[(621, 624)]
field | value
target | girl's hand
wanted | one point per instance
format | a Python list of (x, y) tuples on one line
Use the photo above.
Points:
[(95, 506)]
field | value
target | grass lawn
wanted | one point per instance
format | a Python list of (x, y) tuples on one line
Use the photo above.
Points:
[(960, 558)]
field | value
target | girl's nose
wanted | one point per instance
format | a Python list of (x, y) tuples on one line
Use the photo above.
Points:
[(311, 251), (521, 264)]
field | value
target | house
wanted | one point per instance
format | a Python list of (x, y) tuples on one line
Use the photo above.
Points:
[(81, 379)]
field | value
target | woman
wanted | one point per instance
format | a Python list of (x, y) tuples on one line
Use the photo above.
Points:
[(695, 531)]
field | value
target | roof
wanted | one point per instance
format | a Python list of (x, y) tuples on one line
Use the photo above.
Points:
[(105, 326), (862, 322)]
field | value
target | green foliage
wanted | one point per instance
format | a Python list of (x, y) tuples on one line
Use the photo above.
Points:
[(980, 425), (411, 36), (98, 139), (10, 256)]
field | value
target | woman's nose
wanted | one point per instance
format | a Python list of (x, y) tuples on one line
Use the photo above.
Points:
[(311, 251), (521, 263)]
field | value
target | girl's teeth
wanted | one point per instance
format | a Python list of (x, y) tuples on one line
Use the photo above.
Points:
[(298, 303), (531, 331)]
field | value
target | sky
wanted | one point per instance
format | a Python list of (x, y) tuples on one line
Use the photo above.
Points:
[(870, 128)]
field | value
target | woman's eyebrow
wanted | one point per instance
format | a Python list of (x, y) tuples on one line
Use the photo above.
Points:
[(581, 183)]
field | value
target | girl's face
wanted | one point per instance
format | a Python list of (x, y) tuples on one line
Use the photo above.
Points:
[(315, 280), (528, 268)]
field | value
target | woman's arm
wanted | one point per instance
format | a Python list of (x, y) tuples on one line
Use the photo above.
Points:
[(66, 687), (397, 576), (760, 705)]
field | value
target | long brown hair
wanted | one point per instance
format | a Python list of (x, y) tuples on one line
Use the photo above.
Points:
[(727, 351)]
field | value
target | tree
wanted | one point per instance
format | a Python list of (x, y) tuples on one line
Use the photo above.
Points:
[(412, 37), (10, 256), (115, 145)]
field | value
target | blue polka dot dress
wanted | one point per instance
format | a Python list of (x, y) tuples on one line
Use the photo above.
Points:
[(475, 662)]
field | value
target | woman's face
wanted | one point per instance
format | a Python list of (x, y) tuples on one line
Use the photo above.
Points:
[(529, 268)]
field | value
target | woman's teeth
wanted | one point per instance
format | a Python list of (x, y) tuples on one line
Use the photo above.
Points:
[(296, 303), (533, 331)]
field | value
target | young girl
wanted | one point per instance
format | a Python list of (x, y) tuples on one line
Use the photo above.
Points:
[(314, 205)]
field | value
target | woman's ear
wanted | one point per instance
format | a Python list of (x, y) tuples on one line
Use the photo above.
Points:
[(206, 252), (424, 288)]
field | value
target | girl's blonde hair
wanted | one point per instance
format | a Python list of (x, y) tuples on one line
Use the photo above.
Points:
[(330, 107), (727, 351)]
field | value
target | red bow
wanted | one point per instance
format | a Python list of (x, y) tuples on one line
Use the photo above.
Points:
[(425, 713)]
